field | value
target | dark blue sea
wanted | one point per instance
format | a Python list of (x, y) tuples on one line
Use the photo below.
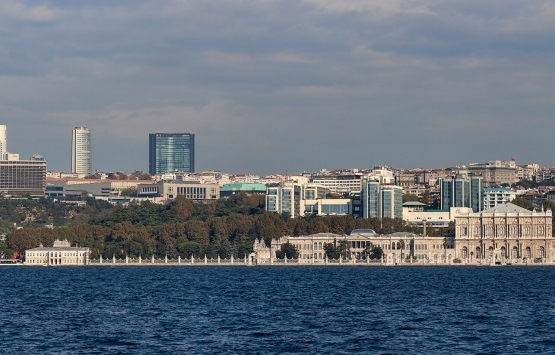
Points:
[(277, 310)]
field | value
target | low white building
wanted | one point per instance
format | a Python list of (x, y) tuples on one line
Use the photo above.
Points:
[(61, 254), (416, 213)]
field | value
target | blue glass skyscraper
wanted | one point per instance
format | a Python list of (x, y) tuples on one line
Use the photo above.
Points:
[(169, 152)]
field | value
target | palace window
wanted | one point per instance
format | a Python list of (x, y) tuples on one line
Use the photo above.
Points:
[(541, 230), (527, 230), (464, 231)]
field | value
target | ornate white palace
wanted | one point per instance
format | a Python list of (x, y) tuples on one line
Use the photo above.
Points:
[(505, 234)]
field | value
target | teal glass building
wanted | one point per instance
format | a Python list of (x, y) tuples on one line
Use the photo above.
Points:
[(170, 152)]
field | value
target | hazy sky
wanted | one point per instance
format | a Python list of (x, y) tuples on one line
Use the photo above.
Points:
[(273, 85)]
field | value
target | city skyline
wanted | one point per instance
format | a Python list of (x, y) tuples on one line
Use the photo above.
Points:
[(274, 86)]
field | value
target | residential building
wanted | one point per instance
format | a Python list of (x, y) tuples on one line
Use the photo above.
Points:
[(81, 151), (494, 196), (169, 152)]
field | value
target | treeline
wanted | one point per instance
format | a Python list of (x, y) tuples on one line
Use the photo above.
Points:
[(225, 227)]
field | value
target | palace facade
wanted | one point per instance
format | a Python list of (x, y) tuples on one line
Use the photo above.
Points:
[(505, 234)]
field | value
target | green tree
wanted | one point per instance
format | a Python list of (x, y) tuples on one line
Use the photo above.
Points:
[(332, 251), (188, 249), (523, 203), (376, 253), (409, 197), (182, 207), (289, 250)]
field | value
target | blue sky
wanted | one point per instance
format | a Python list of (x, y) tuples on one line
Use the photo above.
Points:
[(273, 85)]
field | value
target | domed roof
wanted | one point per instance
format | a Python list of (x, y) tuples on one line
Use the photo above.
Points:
[(364, 232)]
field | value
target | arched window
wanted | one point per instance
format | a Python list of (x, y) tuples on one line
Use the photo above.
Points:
[(542, 252), (464, 252), (490, 250), (528, 252), (515, 253), (479, 253), (503, 252), (315, 245), (319, 246), (393, 246), (315, 256)]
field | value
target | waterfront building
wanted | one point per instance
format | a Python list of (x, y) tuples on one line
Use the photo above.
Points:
[(168, 190), (170, 152), (505, 234), (81, 151), (462, 190), (61, 254), (398, 248), (495, 196)]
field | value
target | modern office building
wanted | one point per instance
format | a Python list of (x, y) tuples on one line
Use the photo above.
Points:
[(3, 139), (81, 153), (22, 177), (462, 190), (169, 152), (380, 197)]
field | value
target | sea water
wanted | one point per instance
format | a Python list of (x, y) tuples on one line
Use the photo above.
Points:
[(277, 310)]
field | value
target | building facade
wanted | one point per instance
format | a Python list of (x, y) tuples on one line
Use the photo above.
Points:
[(81, 151), (398, 248), (3, 142), (462, 190), (505, 234), (168, 190), (494, 196), (496, 172), (61, 254), (21, 177), (169, 152), (380, 197)]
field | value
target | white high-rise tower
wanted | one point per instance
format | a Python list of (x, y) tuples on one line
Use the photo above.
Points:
[(3, 139), (81, 153)]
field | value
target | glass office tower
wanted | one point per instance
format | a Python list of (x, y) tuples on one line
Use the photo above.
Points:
[(169, 152)]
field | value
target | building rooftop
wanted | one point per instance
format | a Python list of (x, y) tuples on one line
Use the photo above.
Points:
[(506, 207), (244, 187), (363, 232), (414, 204)]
